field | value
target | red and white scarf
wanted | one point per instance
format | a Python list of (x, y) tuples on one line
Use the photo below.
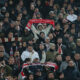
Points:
[(50, 64), (29, 24)]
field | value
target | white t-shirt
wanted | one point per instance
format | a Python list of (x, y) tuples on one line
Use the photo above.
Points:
[(32, 55), (72, 17)]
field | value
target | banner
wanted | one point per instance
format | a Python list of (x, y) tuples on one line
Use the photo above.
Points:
[(50, 64), (29, 24)]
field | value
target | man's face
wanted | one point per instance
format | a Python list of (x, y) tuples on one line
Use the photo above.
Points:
[(68, 58), (47, 40), (31, 77), (1, 48), (30, 42), (71, 12), (38, 2), (38, 73), (32, 7), (66, 35), (41, 46), (78, 42), (59, 40), (70, 39), (77, 56), (42, 35), (12, 25), (59, 58), (72, 31), (10, 35), (1, 54), (11, 61), (71, 63), (24, 44), (30, 48), (25, 12), (51, 36), (53, 47), (57, 27), (51, 76), (40, 27), (44, 26), (16, 54)]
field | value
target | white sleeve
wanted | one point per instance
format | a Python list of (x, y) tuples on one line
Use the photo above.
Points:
[(35, 56), (72, 17), (24, 56), (46, 31), (35, 32), (43, 58)]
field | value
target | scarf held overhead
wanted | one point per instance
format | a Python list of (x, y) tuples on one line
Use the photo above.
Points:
[(29, 24)]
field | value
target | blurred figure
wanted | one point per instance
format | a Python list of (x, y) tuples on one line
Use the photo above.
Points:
[(5, 70), (17, 59), (29, 53), (78, 46), (47, 43), (51, 76), (71, 72), (13, 66), (64, 64), (42, 53), (38, 75), (77, 60), (71, 16), (51, 53), (30, 77)]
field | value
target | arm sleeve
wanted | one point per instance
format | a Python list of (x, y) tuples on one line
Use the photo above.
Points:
[(47, 30), (35, 32), (43, 57), (23, 56)]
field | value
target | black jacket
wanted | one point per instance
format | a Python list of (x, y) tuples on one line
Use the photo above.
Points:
[(71, 73)]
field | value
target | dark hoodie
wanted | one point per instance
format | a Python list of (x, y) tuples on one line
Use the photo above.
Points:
[(71, 73)]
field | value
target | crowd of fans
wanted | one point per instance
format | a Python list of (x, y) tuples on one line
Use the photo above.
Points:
[(59, 44)]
